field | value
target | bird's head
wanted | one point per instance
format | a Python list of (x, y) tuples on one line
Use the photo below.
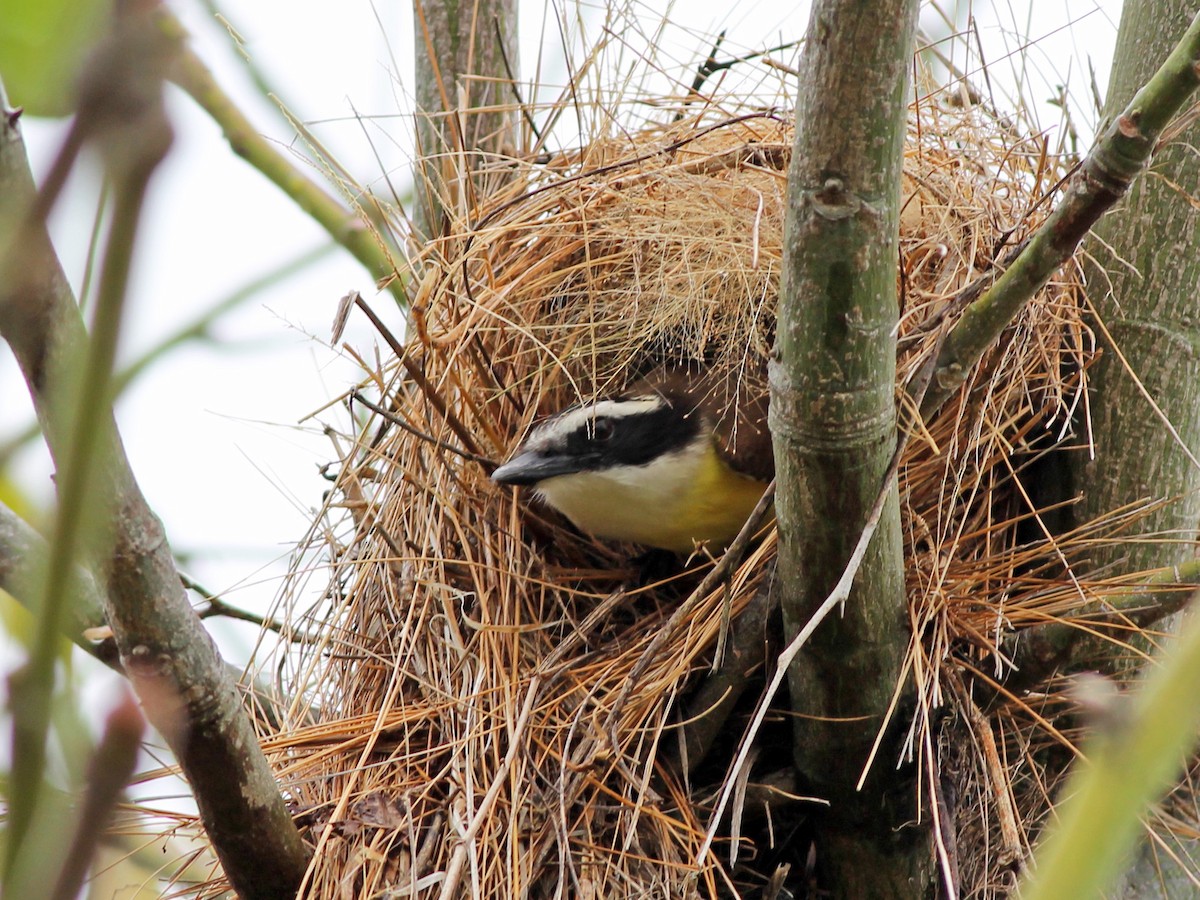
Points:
[(643, 468)]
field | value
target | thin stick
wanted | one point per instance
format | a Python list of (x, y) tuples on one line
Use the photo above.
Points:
[(484, 461)]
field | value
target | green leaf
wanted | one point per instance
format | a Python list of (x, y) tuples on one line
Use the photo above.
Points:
[(43, 43)]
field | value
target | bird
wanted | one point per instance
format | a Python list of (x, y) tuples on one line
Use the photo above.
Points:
[(674, 462)]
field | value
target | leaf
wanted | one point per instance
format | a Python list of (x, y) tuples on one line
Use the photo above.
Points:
[(43, 43)]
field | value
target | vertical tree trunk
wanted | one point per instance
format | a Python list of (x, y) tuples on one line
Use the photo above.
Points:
[(1151, 312), (466, 64), (834, 423), (1145, 295)]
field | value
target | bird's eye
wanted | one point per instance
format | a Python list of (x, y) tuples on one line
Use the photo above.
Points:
[(602, 430)]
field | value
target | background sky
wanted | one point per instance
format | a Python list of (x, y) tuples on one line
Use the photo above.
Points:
[(213, 431)]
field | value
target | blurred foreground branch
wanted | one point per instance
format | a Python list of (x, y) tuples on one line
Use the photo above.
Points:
[(172, 662)]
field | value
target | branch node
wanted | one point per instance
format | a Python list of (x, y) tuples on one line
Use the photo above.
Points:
[(1128, 124)]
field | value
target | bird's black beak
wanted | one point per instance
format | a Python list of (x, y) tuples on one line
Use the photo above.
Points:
[(533, 466)]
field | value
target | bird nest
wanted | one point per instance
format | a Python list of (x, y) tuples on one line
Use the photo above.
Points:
[(476, 712)]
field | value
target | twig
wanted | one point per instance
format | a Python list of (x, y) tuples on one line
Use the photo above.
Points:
[(237, 43), (1044, 649), (215, 606), (512, 80), (198, 329), (435, 399), (725, 565), (711, 66), (343, 225)]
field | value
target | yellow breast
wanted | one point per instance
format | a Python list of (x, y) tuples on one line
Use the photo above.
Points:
[(674, 502)]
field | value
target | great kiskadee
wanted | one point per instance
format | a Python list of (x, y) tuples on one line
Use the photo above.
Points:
[(671, 463)]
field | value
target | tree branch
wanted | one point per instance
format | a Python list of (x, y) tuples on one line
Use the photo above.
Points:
[(1045, 649), (172, 663), (1101, 180), (23, 554)]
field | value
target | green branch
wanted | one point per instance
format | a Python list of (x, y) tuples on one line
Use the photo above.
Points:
[(169, 657), (833, 424), (113, 105), (23, 555), (1102, 179), (1045, 649), (347, 228)]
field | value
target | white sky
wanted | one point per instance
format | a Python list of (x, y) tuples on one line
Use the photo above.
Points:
[(211, 432)]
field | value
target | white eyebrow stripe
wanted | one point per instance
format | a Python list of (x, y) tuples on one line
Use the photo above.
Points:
[(560, 426)]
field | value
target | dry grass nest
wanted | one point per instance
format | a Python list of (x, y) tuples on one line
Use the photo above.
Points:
[(463, 719)]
